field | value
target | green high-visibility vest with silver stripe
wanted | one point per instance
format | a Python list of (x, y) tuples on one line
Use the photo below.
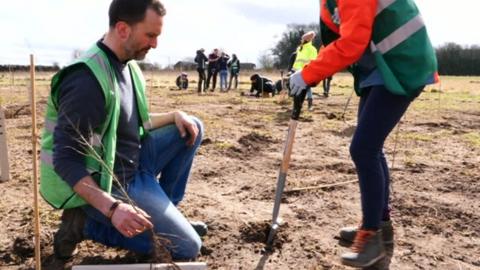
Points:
[(103, 140), (403, 52), (304, 56)]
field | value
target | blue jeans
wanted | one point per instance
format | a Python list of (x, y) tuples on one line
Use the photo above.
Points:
[(378, 113), (223, 79), (309, 93), (163, 152)]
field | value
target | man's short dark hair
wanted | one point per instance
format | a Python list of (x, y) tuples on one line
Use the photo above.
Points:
[(133, 11)]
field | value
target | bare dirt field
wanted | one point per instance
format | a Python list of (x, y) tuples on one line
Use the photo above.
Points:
[(435, 155)]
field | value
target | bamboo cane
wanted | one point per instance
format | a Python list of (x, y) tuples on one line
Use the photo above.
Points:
[(33, 107), (320, 187)]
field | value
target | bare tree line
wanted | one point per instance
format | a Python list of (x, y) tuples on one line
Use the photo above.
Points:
[(453, 59)]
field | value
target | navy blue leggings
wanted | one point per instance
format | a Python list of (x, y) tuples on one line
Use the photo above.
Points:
[(378, 113)]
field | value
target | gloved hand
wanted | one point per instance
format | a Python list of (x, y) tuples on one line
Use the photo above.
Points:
[(297, 84)]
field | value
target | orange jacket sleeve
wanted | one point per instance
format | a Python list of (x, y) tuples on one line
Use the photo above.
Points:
[(357, 17)]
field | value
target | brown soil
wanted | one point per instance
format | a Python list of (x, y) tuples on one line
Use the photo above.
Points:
[(435, 192)]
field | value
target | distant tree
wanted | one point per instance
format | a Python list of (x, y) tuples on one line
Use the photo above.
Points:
[(290, 40), (266, 60), (454, 59)]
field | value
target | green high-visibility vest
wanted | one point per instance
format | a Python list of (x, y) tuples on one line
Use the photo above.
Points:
[(104, 138), (403, 52), (234, 65), (305, 55)]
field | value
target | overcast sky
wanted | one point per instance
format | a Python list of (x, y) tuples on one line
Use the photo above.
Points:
[(52, 29)]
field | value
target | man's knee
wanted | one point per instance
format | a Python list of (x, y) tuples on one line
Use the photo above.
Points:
[(189, 250), (200, 127)]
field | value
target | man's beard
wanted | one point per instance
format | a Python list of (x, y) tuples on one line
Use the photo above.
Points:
[(138, 54)]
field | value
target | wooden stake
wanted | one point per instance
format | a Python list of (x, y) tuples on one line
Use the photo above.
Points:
[(4, 167), (38, 263)]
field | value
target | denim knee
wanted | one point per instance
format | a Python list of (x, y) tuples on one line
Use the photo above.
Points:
[(189, 249), (200, 127)]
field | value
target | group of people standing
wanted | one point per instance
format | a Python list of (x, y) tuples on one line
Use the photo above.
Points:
[(216, 63)]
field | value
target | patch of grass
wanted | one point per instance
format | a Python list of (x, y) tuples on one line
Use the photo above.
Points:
[(223, 145), (334, 125), (235, 101), (473, 138), (268, 117), (416, 136)]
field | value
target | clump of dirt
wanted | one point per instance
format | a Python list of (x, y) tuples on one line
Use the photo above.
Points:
[(255, 141), (346, 132), (438, 218), (330, 115), (341, 168), (257, 232), (16, 110), (206, 141), (207, 173), (23, 246), (235, 152), (442, 125), (416, 167)]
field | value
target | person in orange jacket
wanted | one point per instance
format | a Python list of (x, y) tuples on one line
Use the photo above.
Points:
[(384, 43)]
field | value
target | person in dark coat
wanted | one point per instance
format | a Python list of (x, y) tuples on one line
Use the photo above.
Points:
[(182, 81), (212, 69), (201, 60), (261, 84), (222, 65)]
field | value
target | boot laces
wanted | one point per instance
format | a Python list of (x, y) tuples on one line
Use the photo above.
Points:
[(361, 240)]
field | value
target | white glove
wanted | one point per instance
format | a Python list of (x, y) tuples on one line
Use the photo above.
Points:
[(297, 84)]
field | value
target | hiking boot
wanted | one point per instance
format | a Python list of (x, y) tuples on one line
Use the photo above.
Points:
[(310, 104), (69, 234), (367, 249), (200, 227), (347, 234)]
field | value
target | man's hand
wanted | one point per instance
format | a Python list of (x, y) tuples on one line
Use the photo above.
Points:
[(129, 222), (297, 84), (184, 125)]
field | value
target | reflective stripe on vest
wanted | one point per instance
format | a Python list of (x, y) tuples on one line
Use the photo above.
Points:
[(95, 140), (47, 159), (398, 36), (383, 4)]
